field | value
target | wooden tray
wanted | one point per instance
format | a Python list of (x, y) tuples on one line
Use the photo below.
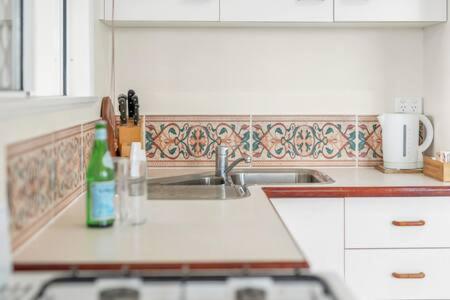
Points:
[(436, 169)]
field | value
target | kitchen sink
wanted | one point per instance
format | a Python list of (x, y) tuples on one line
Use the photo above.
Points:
[(207, 186)]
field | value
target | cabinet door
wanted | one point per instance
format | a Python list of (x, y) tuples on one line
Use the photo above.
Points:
[(163, 10), (390, 10), (277, 10), (317, 226)]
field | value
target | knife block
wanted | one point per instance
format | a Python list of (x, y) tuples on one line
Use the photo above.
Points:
[(128, 134)]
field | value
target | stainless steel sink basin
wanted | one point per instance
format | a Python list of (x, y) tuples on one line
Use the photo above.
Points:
[(195, 187), (210, 187), (279, 176)]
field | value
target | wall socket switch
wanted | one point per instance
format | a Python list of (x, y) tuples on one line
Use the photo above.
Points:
[(409, 105)]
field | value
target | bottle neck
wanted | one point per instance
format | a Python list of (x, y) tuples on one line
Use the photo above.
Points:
[(100, 134)]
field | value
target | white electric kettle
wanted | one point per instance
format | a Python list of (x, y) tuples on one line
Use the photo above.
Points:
[(401, 149)]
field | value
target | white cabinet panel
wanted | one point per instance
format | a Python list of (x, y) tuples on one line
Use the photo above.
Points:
[(317, 225), (397, 222), (390, 10), (166, 10), (277, 10), (369, 273)]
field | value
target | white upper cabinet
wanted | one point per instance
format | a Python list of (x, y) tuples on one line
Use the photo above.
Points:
[(390, 10), (277, 10), (163, 10), (290, 12)]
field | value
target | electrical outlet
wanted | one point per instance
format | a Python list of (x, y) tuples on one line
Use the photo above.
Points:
[(409, 105)]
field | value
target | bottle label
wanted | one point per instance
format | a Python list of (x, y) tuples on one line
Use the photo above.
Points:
[(102, 205), (100, 134)]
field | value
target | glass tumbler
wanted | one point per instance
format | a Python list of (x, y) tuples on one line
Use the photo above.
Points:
[(122, 171), (137, 192)]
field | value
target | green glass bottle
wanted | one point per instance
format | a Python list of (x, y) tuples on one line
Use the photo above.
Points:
[(100, 177)]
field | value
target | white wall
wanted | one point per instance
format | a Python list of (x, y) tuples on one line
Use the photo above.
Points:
[(102, 66), (269, 70), (437, 82)]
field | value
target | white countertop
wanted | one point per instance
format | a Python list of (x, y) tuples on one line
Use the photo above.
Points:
[(244, 230)]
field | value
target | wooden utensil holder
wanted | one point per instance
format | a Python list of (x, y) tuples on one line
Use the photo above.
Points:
[(436, 169), (128, 134)]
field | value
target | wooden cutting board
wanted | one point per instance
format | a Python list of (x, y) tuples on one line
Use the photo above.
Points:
[(382, 169)]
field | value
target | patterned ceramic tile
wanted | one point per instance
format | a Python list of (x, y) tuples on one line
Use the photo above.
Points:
[(304, 140), (31, 185), (369, 141), (69, 168), (88, 142), (191, 140), (422, 133)]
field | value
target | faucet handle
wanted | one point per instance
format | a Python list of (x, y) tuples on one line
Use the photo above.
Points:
[(248, 158)]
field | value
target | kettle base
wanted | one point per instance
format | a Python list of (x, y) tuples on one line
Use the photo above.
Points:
[(402, 165)]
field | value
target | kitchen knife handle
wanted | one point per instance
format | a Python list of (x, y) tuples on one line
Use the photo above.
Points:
[(409, 223), (420, 275)]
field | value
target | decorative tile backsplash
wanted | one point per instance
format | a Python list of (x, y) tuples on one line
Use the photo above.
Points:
[(271, 140), (69, 168), (31, 185), (44, 175), (369, 141), (304, 140), (192, 140), (88, 143)]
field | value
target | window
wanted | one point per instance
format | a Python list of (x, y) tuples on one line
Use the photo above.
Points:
[(46, 47), (10, 45)]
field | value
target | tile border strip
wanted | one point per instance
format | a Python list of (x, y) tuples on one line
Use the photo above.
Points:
[(252, 120), (50, 140)]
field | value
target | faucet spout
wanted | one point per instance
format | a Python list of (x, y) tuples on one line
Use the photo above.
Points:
[(247, 159)]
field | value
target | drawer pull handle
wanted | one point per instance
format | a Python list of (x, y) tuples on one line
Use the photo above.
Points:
[(420, 275), (408, 223)]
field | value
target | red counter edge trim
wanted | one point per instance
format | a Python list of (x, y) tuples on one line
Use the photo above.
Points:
[(360, 191), (20, 267)]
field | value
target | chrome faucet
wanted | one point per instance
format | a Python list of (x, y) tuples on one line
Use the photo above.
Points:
[(222, 168)]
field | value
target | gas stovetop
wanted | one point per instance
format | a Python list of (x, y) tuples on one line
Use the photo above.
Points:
[(181, 287)]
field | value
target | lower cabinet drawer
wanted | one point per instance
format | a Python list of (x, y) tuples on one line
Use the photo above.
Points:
[(399, 273), (397, 222)]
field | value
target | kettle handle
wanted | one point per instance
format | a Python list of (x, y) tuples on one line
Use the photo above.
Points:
[(430, 133)]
